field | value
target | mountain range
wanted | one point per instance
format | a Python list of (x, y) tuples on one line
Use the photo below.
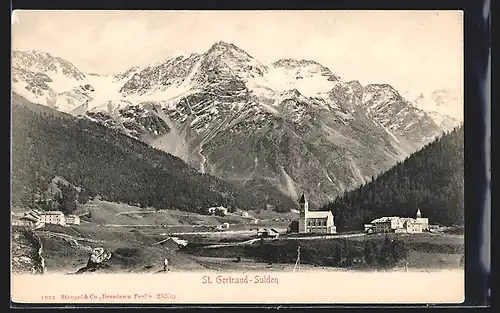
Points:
[(292, 124)]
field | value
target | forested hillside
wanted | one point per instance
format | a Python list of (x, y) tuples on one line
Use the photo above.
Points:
[(47, 143), (431, 179)]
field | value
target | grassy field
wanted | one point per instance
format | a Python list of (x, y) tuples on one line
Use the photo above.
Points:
[(416, 238), (424, 250), (108, 213), (136, 249), (422, 259), (424, 242)]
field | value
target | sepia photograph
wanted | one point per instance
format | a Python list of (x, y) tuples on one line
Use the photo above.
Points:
[(247, 150)]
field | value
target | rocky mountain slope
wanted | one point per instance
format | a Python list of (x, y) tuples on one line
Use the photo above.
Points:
[(26, 252), (293, 124), (100, 161)]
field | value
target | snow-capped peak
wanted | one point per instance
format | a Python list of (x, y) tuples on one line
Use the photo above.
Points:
[(443, 101)]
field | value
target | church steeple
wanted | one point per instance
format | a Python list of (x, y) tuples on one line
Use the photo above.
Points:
[(303, 199), (304, 205), (419, 214)]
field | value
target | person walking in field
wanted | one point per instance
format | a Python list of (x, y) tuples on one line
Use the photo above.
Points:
[(165, 265)]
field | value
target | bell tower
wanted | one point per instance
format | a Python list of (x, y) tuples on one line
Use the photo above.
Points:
[(304, 209), (304, 205), (419, 214)]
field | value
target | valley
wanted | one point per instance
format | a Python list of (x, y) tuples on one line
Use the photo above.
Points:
[(140, 156), (139, 242)]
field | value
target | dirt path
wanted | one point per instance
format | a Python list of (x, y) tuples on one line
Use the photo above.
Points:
[(251, 241), (136, 212), (232, 244), (324, 237), (69, 237)]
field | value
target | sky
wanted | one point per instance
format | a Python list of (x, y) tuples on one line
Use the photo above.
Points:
[(411, 50)]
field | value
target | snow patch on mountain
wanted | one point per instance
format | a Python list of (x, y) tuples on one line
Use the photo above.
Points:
[(308, 77), (447, 102), (290, 184)]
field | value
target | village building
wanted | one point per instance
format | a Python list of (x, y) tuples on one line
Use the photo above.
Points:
[(33, 215), (73, 219), (179, 242), (315, 221), (29, 219), (222, 226), (267, 233), (434, 227), (53, 217), (396, 224), (22, 222), (424, 221), (37, 218), (245, 214), (220, 209)]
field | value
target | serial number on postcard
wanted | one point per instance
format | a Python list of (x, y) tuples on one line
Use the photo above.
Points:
[(109, 296)]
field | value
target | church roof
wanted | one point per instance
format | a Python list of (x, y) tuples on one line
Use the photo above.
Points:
[(52, 213), (385, 219), (303, 199), (319, 214)]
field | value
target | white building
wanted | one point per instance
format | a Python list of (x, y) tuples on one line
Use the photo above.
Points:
[(73, 219), (219, 209), (39, 218), (315, 221), (422, 220), (222, 226), (33, 215), (267, 233), (22, 222), (30, 219), (53, 217), (180, 242), (396, 224)]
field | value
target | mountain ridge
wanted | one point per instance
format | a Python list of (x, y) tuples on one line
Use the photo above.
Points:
[(105, 162), (194, 105)]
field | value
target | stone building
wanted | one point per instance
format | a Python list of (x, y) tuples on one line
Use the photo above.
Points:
[(396, 224)]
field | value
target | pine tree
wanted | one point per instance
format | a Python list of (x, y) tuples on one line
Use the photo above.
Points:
[(369, 253), (338, 254)]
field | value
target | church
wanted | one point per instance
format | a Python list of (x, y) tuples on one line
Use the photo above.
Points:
[(315, 221)]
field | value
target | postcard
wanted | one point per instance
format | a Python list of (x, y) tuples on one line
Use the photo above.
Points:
[(237, 157)]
